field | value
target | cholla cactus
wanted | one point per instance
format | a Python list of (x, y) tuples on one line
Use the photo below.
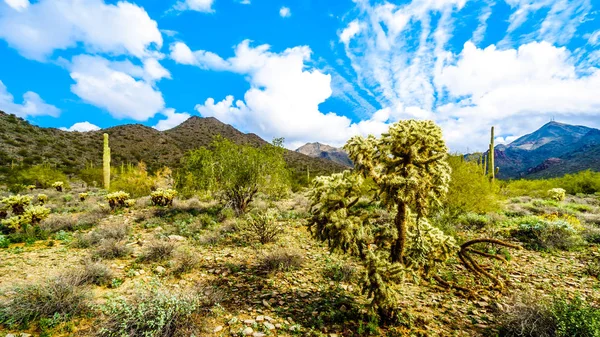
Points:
[(31, 187), (378, 213), (17, 203), (35, 214), (3, 211), (59, 186), (14, 222), (82, 196), (130, 202), (163, 197), (117, 199), (42, 199), (557, 194)]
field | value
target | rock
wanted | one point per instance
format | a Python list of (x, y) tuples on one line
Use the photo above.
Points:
[(232, 321), (278, 326), (294, 328), (249, 321), (142, 272), (10, 335), (269, 318), (247, 331), (218, 328), (258, 334), (25, 334), (260, 318), (160, 270), (176, 238), (343, 308), (269, 326)]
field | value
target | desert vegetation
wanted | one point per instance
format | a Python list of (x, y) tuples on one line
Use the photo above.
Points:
[(411, 242)]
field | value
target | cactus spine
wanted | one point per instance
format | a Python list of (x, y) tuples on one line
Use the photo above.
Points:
[(491, 167), (106, 163)]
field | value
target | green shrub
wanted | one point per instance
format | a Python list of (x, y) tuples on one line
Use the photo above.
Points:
[(474, 221), (557, 194), (133, 180), (540, 234), (154, 312), (262, 226), (41, 176), (162, 197), (58, 297), (340, 272), (4, 241), (584, 182), (117, 199)]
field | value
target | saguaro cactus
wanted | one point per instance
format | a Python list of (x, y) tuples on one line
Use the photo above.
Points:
[(106, 163), (491, 166)]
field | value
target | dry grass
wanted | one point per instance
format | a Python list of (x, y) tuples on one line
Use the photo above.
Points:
[(282, 259), (157, 250), (111, 249)]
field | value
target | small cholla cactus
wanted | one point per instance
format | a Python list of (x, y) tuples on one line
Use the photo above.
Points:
[(3, 211), (557, 194), (17, 203), (58, 185), (35, 214), (83, 196), (31, 187), (163, 197), (130, 202), (14, 222), (117, 199), (42, 199)]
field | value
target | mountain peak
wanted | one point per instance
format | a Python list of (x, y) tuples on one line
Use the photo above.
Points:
[(319, 150)]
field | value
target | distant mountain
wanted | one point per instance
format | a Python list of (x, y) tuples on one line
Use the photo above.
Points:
[(21, 142), (552, 150), (318, 150)]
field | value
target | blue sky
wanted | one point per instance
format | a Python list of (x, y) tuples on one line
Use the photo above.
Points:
[(307, 70)]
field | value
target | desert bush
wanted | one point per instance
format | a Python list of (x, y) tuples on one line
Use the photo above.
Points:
[(58, 185), (157, 250), (91, 272), (262, 226), (584, 182), (591, 234), (282, 260), (42, 199), (185, 261), (560, 317), (111, 249), (557, 194), (17, 203), (162, 197), (117, 199), (235, 173), (41, 176), (133, 180), (58, 297), (474, 221), (83, 196), (153, 312), (540, 234), (340, 272), (115, 231)]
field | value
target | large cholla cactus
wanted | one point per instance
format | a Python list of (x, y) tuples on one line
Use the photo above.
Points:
[(58, 186), (117, 199), (378, 213), (557, 194), (17, 203), (163, 197)]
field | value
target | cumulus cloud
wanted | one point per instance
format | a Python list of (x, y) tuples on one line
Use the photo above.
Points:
[(283, 99), (82, 127), (349, 32), (195, 5), (117, 87), (33, 104), (285, 12), (36, 30), (173, 119)]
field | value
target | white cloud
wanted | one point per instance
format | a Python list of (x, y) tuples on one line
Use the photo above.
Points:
[(154, 70), (33, 104), (283, 99), (245, 2), (82, 127), (349, 32), (285, 12), (48, 25), (181, 53), (195, 5), (18, 5), (117, 87), (173, 119)]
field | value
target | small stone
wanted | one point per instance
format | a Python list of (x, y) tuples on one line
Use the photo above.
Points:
[(258, 334), (269, 326), (294, 328), (160, 270), (176, 238), (25, 334), (249, 321), (247, 331), (142, 272), (260, 318), (343, 308), (218, 328), (278, 326), (269, 318), (136, 273), (10, 335)]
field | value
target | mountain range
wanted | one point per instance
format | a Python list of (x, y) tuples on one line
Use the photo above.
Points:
[(22, 142), (318, 150), (551, 151)]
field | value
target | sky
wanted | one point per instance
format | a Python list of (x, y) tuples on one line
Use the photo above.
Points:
[(306, 70)]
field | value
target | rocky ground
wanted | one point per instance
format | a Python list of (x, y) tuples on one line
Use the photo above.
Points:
[(306, 290)]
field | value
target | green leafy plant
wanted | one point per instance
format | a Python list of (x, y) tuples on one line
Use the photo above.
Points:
[(163, 197)]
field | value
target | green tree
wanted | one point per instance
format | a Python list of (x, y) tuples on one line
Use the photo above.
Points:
[(379, 212), (236, 173)]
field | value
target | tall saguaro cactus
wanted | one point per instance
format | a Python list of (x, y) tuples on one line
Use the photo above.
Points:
[(106, 163), (491, 166)]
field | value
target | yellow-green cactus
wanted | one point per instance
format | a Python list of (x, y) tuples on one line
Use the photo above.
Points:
[(117, 199), (557, 194), (163, 197), (17, 203), (58, 186), (82, 196), (31, 187), (35, 214), (106, 163), (130, 202), (42, 198)]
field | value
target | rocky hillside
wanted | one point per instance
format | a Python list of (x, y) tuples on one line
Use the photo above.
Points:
[(21, 142), (552, 150), (318, 150)]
